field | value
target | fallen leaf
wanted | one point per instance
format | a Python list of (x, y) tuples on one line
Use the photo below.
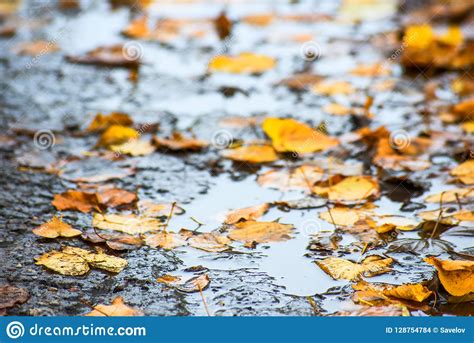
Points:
[(102, 122), (114, 240), (116, 135), (337, 109), (138, 28), (116, 309), (178, 143), (148, 208), (251, 154), (76, 201), (56, 228), (110, 56), (134, 147), (36, 48), (346, 216), (258, 19), (468, 126), (260, 232), (106, 262), (464, 172), (195, 284), (246, 213), (333, 88), (126, 223), (339, 268), (456, 276), (211, 242), (115, 197), (165, 240), (244, 63), (387, 223), (223, 26), (450, 195), (352, 188), (410, 292), (11, 296), (289, 135), (301, 81), (168, 279), (371, 70), (303, 177)]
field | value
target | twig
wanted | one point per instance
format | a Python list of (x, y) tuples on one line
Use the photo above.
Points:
[(204, 301), (313, 305), (439, 215), (173, 205)]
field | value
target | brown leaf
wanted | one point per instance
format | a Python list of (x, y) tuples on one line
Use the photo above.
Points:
[(180, 143), (110, 56), (11, 296), (116, 197), (102, 122), (211, 242), (165, 240), (196, 284), (303, 177), (223, 26), (76, 201), (35, 48)]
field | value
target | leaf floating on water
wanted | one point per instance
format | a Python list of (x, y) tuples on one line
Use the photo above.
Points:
[(450, 196), (134, 148), (247, 213), (385, 293), (56, 228), (36, 48), (116, 309), (165, 240), (251, 154), (464, 172), (211, 242), (346, 216), (195, 284), (289, 135), (456, 276), (148, 208), (333, 88), (260, 232), (109, 56), (116, 197), (244, 63), (126, 223), (303, 177), (223, 26), (339, 268), (350, 189)]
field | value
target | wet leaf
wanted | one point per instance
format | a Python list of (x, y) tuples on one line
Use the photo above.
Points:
[(116, 135), (337, 109), (148, 208), (260, 232), (180, 143), (333, 88), (289, 135), (113, 239), (116, 197), (300, 81), (195, 284), (211, 242), (371, 70), (450, 195), (303, 177), (134, 148), (246, 213), (410, 292), (76, 201), (11, 296), (244, 63), (56, 228), (126, 223), (464, 172), (223, 26), (346, 216), (35, 48), (165, 240), (102, 122), (116, 309), (251, 154), (339, 268), (106, 262), (350, 189), (456, 276)]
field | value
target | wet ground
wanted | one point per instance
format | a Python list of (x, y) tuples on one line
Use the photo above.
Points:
[(174, 90)]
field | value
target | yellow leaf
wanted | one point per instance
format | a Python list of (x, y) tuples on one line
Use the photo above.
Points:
[(419, 36), (337, 109), (260, 232), (178, 142), (413, 292), (333, 88), (468, 126), (339, 268), (134, 147), (211, 242), (116, 135), (251, 154), (345, 216), (457, 277), (102, 122), (106, 262), (243, 63), (450, 196), (373, 293), (371, 70), (165, 240), (247, 213), (56, 228), (303, 177), (289, 135), (353, 188), (454, 36), (126, 223), (465, 172), (116, 309)]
